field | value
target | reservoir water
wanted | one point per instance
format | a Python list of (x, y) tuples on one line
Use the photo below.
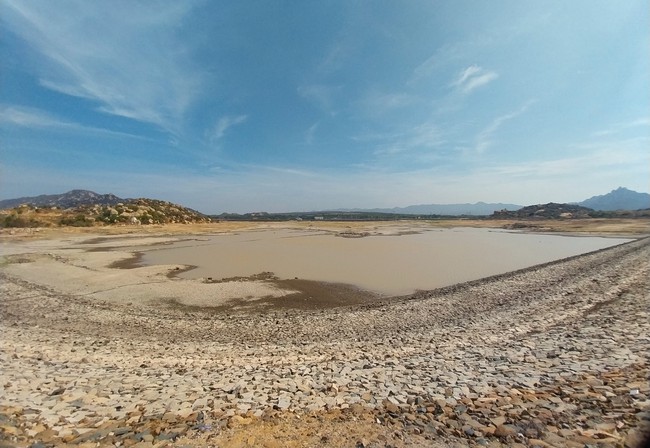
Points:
[(388, 265)]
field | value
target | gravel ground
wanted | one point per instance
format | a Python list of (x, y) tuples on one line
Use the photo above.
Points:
[(555, 355)]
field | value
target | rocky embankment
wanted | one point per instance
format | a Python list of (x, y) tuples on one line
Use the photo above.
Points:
[(551, 356), (130, 212)]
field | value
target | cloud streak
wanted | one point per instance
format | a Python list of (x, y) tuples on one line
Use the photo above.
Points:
[(223, 124), (311, 132), (619, 127), (485, 138), (377, 103), (319, 94), (31, 118), (105, 53), (472, 78), (424, 136)]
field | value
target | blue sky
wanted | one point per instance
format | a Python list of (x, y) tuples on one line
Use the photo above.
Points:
[(239, 106)]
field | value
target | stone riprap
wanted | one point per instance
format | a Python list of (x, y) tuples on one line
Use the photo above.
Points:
[(556, 355)]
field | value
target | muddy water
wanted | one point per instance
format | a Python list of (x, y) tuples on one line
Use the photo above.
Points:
[(388, 265)]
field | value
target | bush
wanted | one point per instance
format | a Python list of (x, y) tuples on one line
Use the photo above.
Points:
[(79, 220), (14, 220)]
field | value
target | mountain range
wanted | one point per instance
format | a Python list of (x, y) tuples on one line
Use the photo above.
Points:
[(71, 199), (618, 199), (476, 209)]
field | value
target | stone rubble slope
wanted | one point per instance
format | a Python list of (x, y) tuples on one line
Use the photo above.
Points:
[(556, 355)]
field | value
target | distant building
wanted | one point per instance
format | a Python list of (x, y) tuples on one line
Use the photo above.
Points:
[(318, 218)]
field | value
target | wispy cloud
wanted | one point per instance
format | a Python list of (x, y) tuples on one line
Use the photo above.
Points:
[(485, 138), (472, 78), (645, 121), (598, 159), (292, 171), (419, 137), (222, 125), (309, 134), (109, 55), (377, 103), (619, 127), (28, 117), (36, 119), (446, 54), (335, 57), (321, 95)]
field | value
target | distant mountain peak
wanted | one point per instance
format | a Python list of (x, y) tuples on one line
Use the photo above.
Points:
[(73, 198), (619, 199)]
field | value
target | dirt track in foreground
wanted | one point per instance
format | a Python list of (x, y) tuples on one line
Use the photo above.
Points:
[(551, 356)]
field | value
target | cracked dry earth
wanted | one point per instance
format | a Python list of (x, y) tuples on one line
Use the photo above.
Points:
[(551, 356)]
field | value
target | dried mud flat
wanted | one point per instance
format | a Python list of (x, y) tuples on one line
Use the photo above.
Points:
[(556, 355)]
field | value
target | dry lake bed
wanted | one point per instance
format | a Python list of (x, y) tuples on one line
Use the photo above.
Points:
[(387, 264), (111, 338)]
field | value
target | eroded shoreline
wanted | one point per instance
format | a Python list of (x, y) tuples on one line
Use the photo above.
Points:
[(555, 355)]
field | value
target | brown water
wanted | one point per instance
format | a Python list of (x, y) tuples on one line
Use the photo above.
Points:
[(389, 265)]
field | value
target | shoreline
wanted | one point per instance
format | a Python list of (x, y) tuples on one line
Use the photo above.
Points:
[(624, 227), (375, 275), (554, 354)]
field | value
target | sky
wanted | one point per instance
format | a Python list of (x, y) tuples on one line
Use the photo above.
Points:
[(243, 106)]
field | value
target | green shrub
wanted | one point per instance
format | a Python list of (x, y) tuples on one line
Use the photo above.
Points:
[(79, 220), (14, 220)]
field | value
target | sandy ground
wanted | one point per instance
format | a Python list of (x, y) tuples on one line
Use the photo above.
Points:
[(93, 355), (85, 267), (622, 227)]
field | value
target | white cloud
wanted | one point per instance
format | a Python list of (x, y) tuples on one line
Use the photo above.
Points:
[(377, 103), (470, 71), (126, 58), (419, 137), (597, 160), (335, 57), (37, 119), (426, 135), (478, 81), (619, 127), (285, 170), (321, 95), (223, 124), (644, 121), (27, 117), (446, 55), (484, 140), (309, 134), (473, 77)]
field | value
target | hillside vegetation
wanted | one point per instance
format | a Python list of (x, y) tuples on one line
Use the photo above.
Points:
[(566, 211), (133, 212), (71, 199)]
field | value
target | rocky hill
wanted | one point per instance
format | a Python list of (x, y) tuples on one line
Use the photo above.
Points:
[(131, 212), (73, 198), (619, 199), (546, 211)]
